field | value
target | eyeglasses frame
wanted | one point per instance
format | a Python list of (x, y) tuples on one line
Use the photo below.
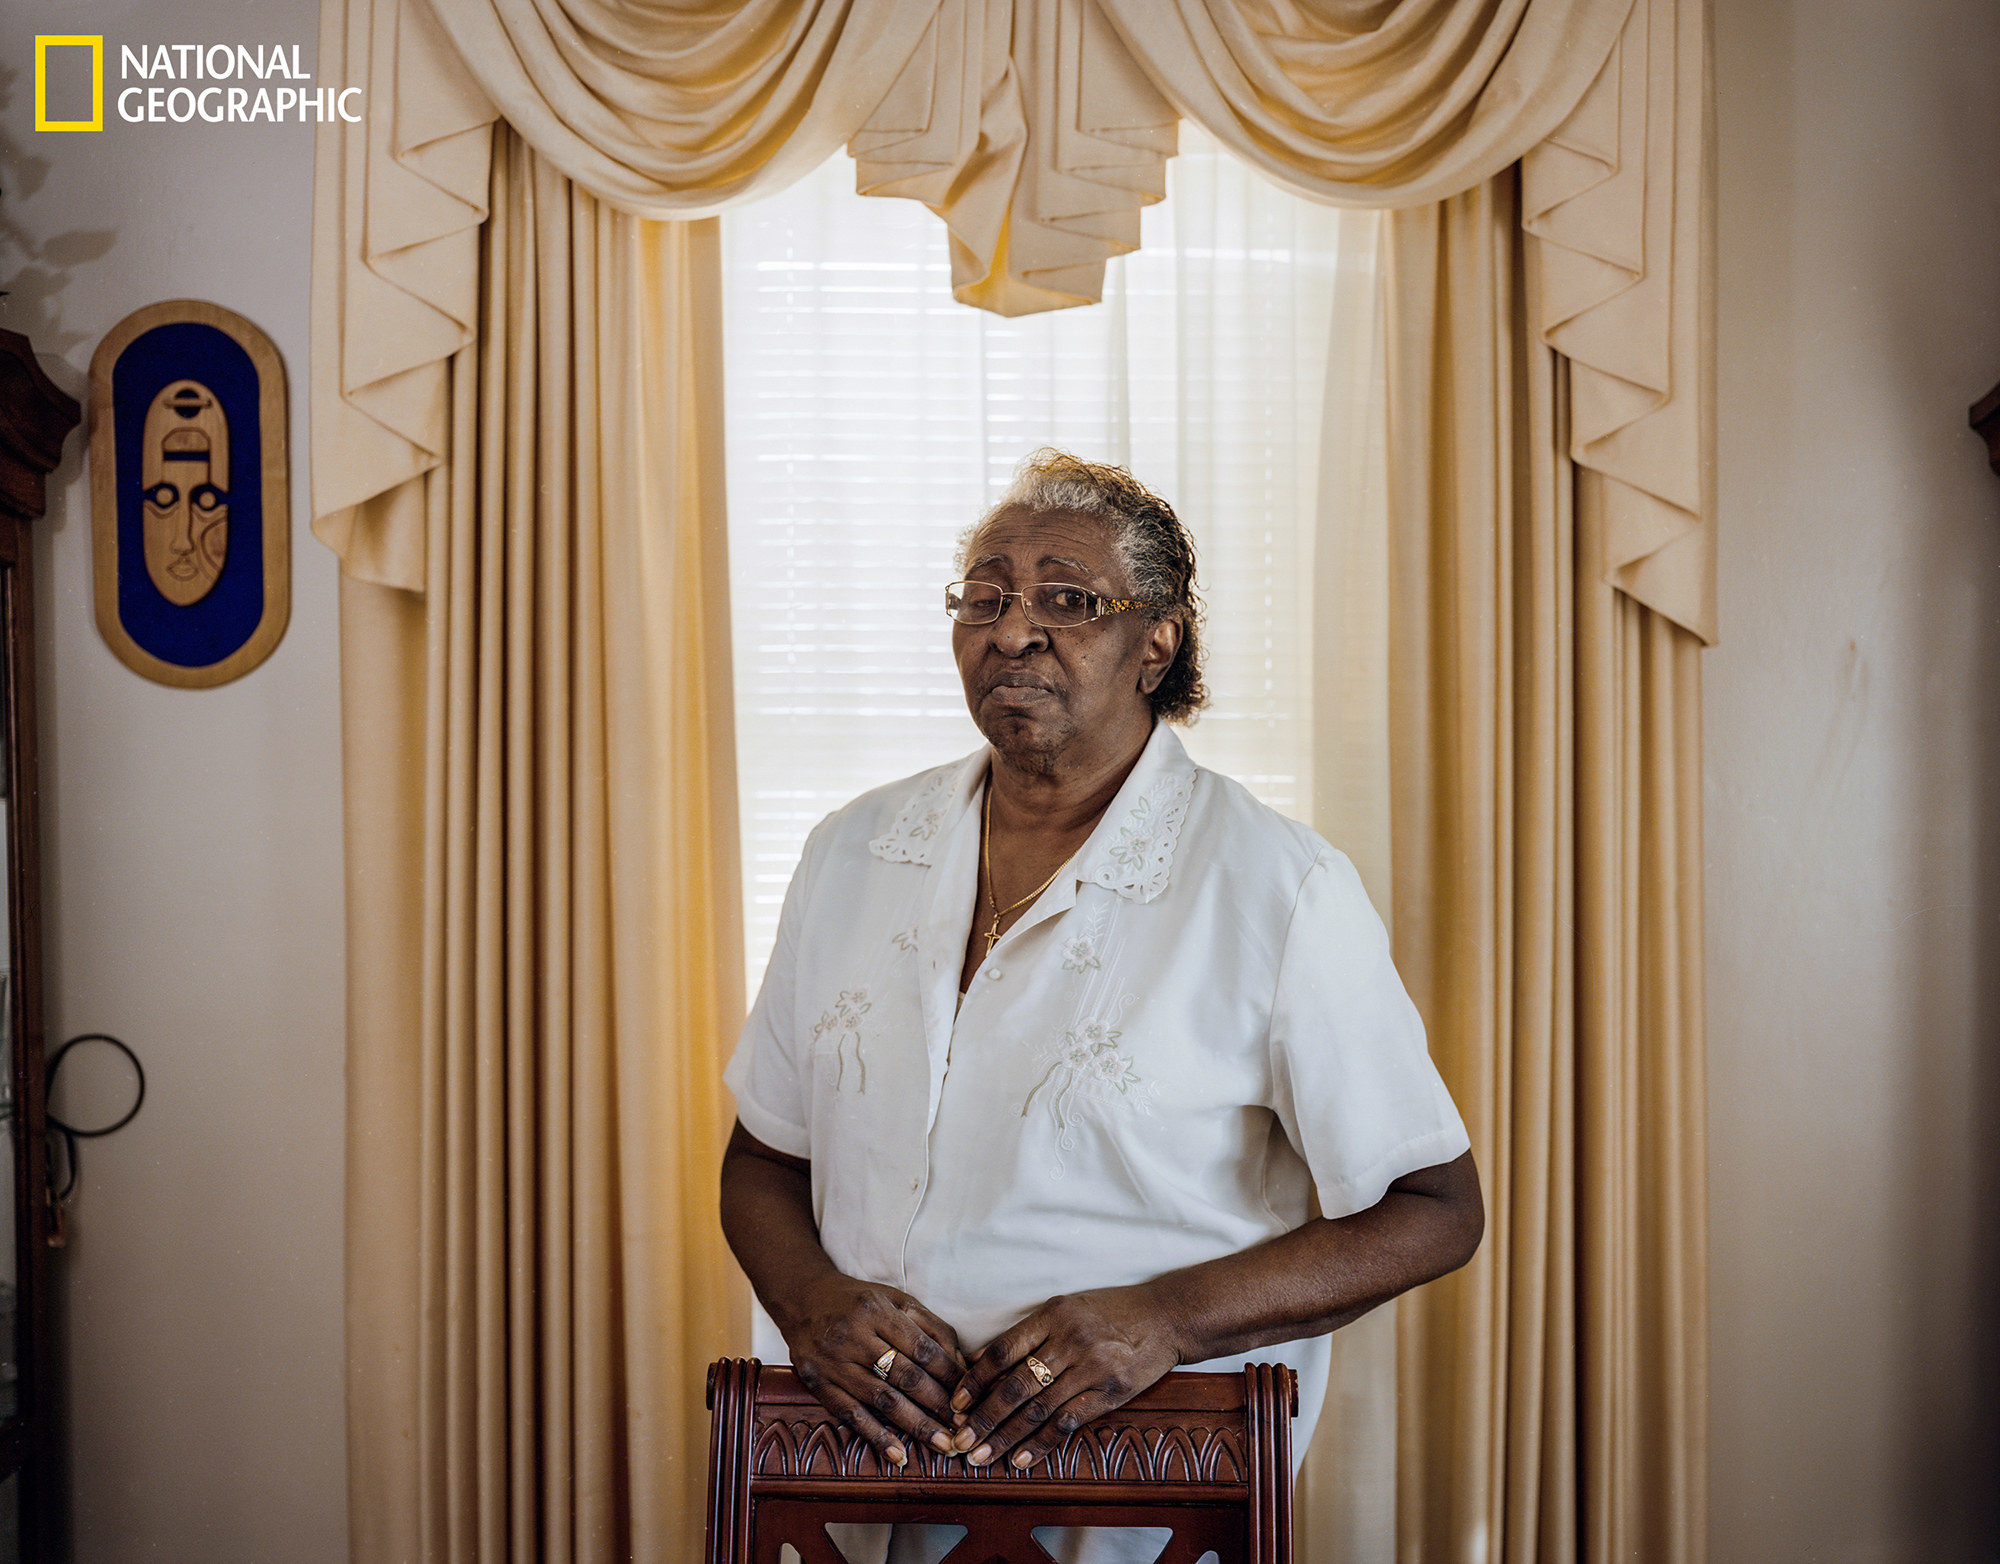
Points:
[(1100, 606)]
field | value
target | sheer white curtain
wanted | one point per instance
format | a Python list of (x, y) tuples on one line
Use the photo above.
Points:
[(1234, 365)]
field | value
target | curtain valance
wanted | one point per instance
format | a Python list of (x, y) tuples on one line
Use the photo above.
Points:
[(1036, 129)]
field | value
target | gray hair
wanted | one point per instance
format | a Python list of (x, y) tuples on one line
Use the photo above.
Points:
[(1153, 546)]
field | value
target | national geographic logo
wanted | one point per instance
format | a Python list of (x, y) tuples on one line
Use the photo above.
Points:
[(219, 83), (69, 47)]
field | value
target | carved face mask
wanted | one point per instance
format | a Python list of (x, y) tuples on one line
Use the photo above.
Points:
[(184, 464)]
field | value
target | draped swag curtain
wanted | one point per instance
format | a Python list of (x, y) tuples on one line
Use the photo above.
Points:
[(517, 455)]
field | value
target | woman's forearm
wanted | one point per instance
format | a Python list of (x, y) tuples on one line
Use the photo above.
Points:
[(767, 1217), (1322, 1275)]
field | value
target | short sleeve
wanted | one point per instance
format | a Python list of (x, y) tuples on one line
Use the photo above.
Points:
[(1352, 1080), (766, 1072)]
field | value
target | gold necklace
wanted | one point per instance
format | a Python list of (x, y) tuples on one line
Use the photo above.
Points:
[(992, 935)]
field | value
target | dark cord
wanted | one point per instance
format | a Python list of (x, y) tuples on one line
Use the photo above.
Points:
[(69, 1132)]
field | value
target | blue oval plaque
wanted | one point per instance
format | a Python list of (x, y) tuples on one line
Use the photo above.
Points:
[(190, 493)]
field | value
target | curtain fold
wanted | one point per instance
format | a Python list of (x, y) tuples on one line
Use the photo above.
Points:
[(544, 907), (1620, 291), (1389, 104), (398, 202), (1545, 757), (382, 748), (1640, 1188), (1028, 127), (666, 110), (1481, 527)]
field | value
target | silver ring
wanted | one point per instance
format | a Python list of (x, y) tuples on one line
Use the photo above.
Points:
[(885, 1364), (1041, 1372)]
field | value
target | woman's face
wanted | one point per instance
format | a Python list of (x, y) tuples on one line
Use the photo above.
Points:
[(1046, 698)]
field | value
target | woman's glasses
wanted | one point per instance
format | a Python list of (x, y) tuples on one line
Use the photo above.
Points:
[(1053, 605)]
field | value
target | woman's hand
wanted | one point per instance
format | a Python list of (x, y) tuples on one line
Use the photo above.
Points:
[(1101, 1349), (839, 1328)]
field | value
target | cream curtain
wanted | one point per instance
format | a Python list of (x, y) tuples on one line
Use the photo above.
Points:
[(1545, 750), (515, 453), (544, 917)]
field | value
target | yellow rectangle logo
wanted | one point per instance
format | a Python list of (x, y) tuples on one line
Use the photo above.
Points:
[(95, 44)]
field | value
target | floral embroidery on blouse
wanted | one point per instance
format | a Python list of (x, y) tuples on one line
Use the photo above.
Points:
[(911, 837), (1086, 1068), (905, 939), (1080, 954), (843, 1024), (1135, 865), (1089, 945), (1136, 836)]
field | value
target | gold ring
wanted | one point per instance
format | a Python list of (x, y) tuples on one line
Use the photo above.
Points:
[(1040, 1370), (885, 1363)]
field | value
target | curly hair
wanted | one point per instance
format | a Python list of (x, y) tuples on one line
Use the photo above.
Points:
[(1153, 545)]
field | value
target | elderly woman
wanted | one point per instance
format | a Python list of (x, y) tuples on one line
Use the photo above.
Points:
[(1061, 1043)]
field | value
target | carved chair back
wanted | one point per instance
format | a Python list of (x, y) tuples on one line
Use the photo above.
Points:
[(1207, 1455)]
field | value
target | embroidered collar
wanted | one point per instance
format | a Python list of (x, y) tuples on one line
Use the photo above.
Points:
[(919, 830), (1132, 850)]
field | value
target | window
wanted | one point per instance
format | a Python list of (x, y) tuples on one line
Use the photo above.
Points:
[(872, 418)]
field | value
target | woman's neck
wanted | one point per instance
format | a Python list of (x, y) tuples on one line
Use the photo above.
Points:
[(1066, 800)]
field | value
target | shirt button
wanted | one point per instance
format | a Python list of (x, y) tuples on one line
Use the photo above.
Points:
[(993, 974)]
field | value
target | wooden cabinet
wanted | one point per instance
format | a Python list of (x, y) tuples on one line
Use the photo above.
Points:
[(35, 419)]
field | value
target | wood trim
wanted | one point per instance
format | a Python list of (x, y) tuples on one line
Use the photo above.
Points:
[(732, 1398), (277, 493), (35, 1347), (35, 419), (1047, 1493)]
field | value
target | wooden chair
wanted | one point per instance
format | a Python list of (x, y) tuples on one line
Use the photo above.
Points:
[(1208, 1455)]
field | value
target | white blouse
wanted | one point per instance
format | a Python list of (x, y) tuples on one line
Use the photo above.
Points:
[(1194, 1029)]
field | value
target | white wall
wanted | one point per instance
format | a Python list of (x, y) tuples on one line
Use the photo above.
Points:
[(1853, 762), (192, 844)]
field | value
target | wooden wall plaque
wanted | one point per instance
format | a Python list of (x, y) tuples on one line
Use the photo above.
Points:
[(190, 493)]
